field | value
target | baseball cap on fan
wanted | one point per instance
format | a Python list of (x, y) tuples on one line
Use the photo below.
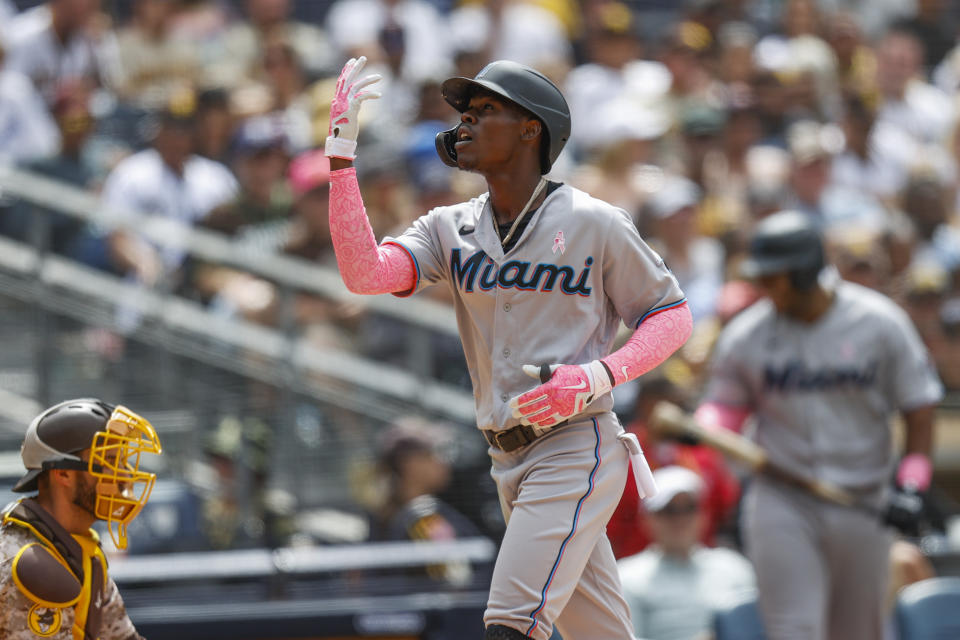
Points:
[(671, 482), (59, 434)]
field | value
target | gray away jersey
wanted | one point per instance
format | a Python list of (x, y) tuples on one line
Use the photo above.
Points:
[(823, 394), (557, 296)]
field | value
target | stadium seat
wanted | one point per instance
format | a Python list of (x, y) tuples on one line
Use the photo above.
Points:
[(739, 622), (929, 610)]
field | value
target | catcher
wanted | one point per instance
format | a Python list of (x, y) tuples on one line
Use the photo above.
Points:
[(82, 458)]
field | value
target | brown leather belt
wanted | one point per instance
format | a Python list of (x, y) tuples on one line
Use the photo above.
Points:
[(513, 438)]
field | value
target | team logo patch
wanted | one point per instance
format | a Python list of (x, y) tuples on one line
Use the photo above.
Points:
[(558, 243), (44, 621)]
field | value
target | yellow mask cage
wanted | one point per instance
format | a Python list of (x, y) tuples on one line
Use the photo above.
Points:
[(122, 489)]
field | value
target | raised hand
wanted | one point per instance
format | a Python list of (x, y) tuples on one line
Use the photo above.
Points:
[(349, 94)]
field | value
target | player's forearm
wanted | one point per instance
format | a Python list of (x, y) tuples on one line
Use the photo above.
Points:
[(919, 430), (655, 340), (364, 266)]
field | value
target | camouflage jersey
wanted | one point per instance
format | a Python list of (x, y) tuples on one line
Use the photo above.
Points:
[(22, 618)]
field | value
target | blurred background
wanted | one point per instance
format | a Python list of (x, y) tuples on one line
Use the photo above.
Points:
[(164, 244)]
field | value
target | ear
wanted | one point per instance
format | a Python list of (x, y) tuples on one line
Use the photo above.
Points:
[(60, 476), (531, 129)]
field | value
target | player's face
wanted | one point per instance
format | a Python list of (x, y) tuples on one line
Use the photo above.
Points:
[(490, 134), (677, 526), (785, 298), (85, 489)]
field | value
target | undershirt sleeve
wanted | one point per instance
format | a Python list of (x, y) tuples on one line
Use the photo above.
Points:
[(365, 267)]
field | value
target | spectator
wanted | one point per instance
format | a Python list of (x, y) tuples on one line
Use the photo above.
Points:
[(683, 51), (798, 52), (613, 76), (621, 153), (629, 529), (244, 44), (27, 131), (7, 12), (309, 236), (861, 256), (934, 28), (927, 204), (876, 156), (906, 100), (412, 463), (518, 30), (56, 43), (257, 217), (215, 125), (155, 63), (735, 63), (856, 61), (167, 180), (724, 174), (203, 23), (696, 260), (356, 26), (812, 147), (674, 587), (57, 231), (281, 73)]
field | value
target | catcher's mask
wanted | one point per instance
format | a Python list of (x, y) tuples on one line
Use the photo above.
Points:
[(122, 488), (116, 437)]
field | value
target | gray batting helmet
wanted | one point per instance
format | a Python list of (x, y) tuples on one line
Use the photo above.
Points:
[(786, 242), (520, 85)]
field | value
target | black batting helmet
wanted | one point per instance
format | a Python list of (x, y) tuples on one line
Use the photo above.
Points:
[(786, 242), (520, 85)]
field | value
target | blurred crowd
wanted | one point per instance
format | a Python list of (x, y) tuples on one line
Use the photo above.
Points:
[(697, 117)]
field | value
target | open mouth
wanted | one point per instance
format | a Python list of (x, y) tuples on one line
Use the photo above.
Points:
[(463, 137)]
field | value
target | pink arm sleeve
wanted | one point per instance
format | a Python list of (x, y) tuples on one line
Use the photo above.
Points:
[(364, 266), (713, 415), (658, 336)]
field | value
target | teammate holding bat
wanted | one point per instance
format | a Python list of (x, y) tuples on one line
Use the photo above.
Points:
[(822, 365), (541, 275)]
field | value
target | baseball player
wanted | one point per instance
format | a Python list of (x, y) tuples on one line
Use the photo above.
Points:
[(541, 275), (82, 458), (822, 365)]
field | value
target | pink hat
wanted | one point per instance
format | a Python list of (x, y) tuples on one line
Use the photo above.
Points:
[(309, 170)]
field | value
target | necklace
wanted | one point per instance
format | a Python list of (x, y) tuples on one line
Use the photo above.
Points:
[(523, 212)]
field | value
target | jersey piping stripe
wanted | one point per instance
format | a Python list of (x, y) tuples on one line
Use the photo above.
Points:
[(576, 517), (416, 266), (657, 310)]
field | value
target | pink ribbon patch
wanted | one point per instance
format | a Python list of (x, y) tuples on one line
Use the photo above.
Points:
[(558, 243)]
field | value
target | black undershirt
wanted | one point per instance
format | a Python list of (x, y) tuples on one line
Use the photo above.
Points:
[(504, 229)]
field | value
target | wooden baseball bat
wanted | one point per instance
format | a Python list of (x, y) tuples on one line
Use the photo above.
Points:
[(670, 420)]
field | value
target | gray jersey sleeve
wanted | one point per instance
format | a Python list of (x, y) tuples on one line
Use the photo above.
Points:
[(729, 380), (914, 380), (421, 240), (635, 278)]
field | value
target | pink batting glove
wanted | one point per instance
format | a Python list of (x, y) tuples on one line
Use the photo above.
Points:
[(915, 471), (345, 108), (566, 391)]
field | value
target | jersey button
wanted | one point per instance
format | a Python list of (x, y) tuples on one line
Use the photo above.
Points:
[(506, 306), (503, 397), (506, 352)]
